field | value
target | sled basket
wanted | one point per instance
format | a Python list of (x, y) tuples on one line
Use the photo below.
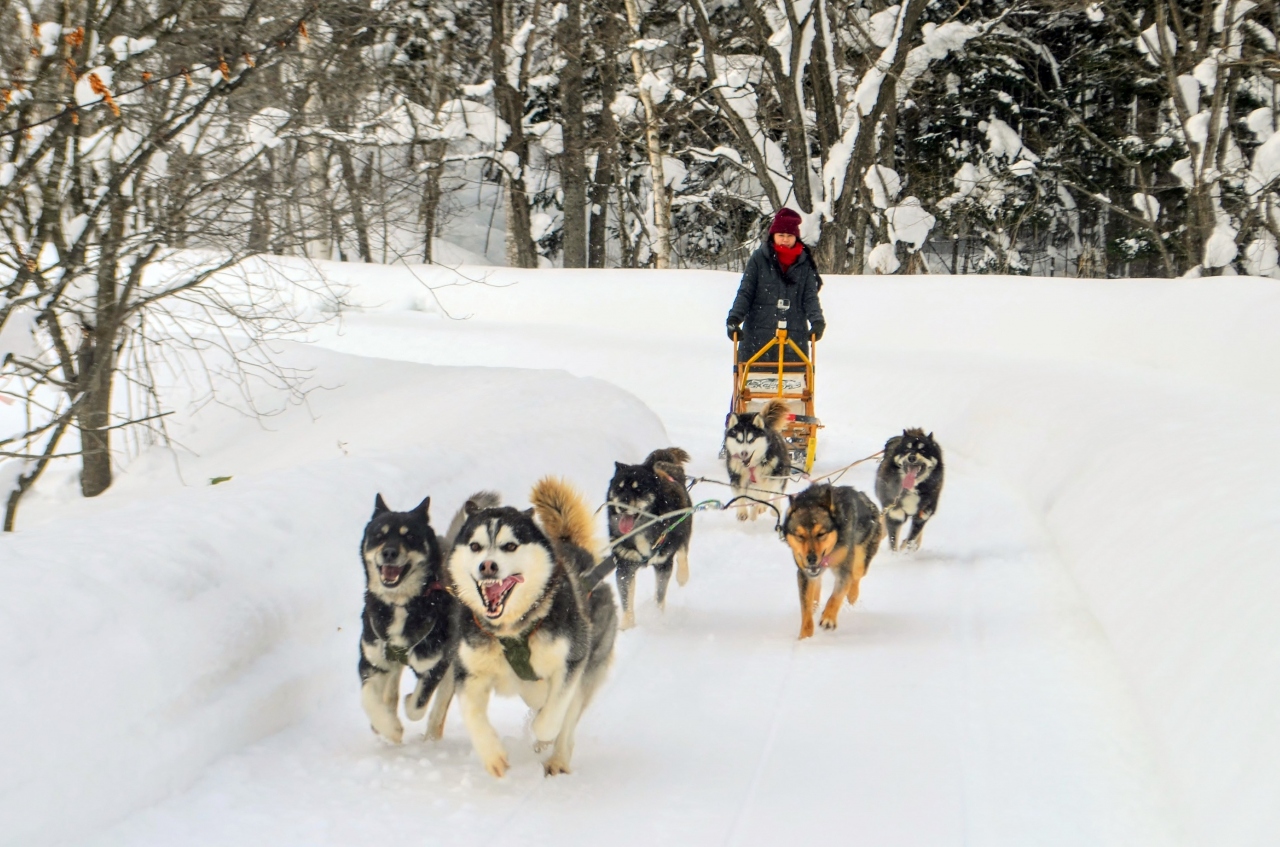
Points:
[(789, 379)]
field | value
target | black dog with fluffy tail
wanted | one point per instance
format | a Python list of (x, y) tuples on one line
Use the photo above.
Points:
[(637, 494), (908, 484)]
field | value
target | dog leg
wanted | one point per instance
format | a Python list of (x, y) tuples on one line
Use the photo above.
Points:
[(561, 754), (860, 560), (661, 579), (626, 579), (917, 529), (561, 692), (810, 590), (475, 714), (831, 614), (415, 702), (682, 566), (893, 521), (373, 696), (440, 707)]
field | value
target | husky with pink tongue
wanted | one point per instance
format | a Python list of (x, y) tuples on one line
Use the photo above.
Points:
[(908, 485), (534, 621), (757, 458), (650, 524)]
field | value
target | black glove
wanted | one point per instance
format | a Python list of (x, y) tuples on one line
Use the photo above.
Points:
[(816, 330), (734, 328)]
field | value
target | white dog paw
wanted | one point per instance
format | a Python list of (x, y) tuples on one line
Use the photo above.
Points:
[(393, 732), (497, 764), (554, 767)]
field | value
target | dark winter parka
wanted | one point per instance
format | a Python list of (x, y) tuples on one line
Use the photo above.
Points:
[(756, 306)]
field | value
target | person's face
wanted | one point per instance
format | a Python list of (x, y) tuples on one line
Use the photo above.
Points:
[(784, 239)]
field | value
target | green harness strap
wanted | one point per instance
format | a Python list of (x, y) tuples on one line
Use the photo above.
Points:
[(516, 649)]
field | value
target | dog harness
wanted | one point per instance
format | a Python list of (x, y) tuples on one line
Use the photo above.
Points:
[(515, 648), (401, 654)]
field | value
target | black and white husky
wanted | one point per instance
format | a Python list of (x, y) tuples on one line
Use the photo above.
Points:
[(408, 619), (908, 484), (531, 623), (637, 495), (756, 456)]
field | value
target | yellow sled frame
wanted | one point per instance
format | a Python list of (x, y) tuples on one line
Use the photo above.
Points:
[(801, 432)]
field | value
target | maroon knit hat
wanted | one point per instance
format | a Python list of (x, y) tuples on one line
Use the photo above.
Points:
[(786, 221)]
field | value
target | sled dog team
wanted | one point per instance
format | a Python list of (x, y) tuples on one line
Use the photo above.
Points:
[(514, 601)]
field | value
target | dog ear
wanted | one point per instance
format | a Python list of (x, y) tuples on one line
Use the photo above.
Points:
[(470, 507), (528, 513), (929, 436), (424, 507), (758, 421), (828, 501), (732, 421), (379, 505), (617, 466)]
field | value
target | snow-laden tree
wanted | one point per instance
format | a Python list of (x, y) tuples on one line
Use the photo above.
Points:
[(812, 91), (134, 145)]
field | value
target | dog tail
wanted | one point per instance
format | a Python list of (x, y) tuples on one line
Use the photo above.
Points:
[(775, 414), (671, 455), (476, 502), (563, 513)]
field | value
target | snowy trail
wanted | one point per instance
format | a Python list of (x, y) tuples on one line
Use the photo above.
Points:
[(969, 698)]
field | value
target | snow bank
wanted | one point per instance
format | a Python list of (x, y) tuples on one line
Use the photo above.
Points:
[(150, 632)]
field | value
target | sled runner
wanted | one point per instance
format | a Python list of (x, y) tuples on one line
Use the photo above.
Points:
[(790, 379)]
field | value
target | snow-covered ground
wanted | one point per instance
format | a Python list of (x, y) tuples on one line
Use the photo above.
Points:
[(1085, 652)]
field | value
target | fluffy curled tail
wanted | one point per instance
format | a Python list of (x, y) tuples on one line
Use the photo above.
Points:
[(476, 502), (775, 414), (563, 513)]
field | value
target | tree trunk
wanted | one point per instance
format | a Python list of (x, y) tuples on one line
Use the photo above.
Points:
[(573, 166), (435, 151), (606, 132), (97, 364), (832, 250), (355, 195), (521, 251), (652, 129), (260, 223), (787, 94)]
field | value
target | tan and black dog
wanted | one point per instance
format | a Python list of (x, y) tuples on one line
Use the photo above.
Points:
[(831, 528)]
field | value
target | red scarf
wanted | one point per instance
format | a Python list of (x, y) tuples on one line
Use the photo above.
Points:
[(787, 255)]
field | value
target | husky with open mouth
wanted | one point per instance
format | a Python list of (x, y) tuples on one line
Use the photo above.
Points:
[(637, 495), (908, 484), (533, 620), (756, 456), (408, 619)]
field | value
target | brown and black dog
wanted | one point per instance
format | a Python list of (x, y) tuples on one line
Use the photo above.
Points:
[(836, 528)]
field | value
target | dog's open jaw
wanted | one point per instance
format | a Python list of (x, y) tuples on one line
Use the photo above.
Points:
[(392, 574), (499, 576), (914, 470), (495, 592)]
